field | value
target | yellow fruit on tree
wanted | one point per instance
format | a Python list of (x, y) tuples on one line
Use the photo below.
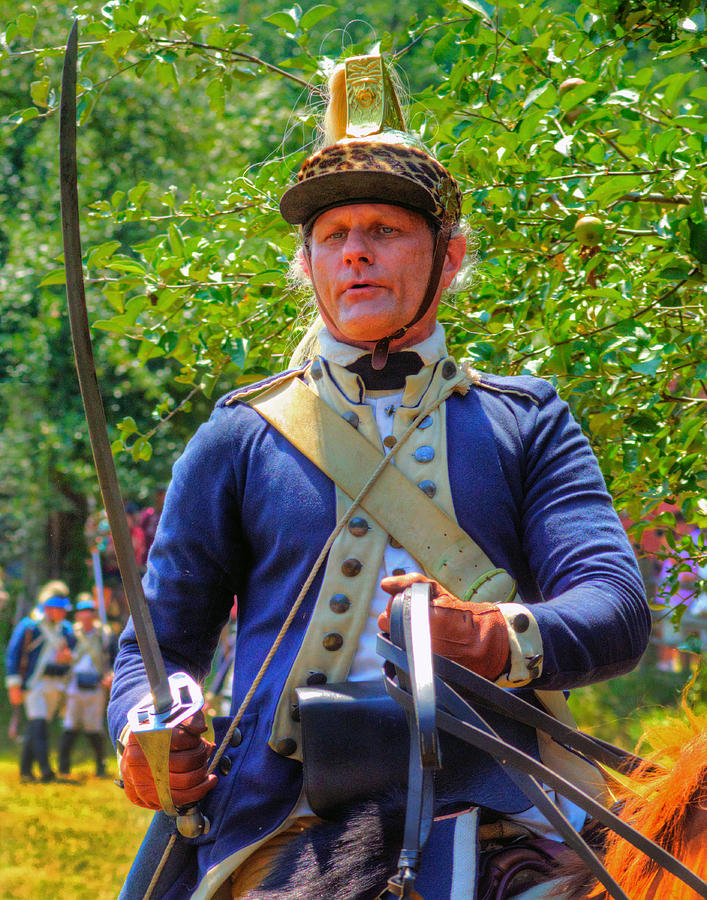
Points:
[(589, 231)]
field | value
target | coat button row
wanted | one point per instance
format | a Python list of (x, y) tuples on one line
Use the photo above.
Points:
[(286, 747), (351, 567), (358, 526), (449, 369), (427, 487), (339, 603), (520, 623), (424, 454), (333, 641)]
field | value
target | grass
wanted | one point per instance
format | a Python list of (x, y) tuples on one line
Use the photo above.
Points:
[(68, 841)]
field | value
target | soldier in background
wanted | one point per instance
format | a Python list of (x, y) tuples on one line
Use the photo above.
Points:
[(37, 668), (91, 677)]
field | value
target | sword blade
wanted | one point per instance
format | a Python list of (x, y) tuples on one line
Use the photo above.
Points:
[(90, 393)]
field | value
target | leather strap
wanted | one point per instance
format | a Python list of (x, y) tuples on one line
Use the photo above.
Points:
[(479, 690), (440, 546), (455, 716), (410, 626), (452, 704)]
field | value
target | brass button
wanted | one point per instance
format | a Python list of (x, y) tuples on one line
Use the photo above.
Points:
[(316, 370), (294, 712), (224, 765), (393, 543), (390, 441), (424, 454), (358, 526), (314, 678), (236, 737), (398, 572), (449, 369), (286, 747), (428, 487), (339, 603), (520, 623), (425, 423), (352, 418), (351, 567), (333, 641)]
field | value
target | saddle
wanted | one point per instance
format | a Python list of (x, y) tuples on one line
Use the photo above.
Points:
[(435, 698)]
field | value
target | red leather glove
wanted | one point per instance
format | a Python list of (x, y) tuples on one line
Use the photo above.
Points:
[(188, 762), (471, 634)]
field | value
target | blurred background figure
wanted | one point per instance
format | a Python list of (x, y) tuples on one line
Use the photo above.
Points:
[(678, 587), (149, 519), (91, 677), (37, 668)]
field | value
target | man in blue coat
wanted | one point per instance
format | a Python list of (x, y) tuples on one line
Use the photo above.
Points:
[(551, 599), (37, 669)]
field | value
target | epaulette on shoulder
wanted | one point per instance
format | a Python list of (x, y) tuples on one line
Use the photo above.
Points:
[(537, 390), (249, 391)]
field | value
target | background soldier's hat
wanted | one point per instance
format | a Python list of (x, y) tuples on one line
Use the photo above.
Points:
[(369, 156)]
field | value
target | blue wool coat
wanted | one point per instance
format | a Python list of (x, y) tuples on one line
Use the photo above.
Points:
[(247, 514), (28, 630)]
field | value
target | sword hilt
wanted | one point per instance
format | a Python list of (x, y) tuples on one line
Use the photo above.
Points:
[(153, 730)]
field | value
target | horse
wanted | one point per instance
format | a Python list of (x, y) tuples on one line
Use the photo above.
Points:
[(665, 799)]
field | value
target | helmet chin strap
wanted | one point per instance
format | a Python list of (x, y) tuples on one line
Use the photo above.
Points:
[(380, 351)]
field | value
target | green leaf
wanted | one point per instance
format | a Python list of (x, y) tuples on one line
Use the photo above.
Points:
[(127, 427), (623, 98), (473, 6), (648, 366), (176, 241), (674, 273), (100, 254), (56, 276), (39, 91), (26, 23), (125, 264), (284, 20), (315, 15), (138, 193), (564, 145), (117, 43), (698, 240), (25, 115), (446, 51), (535, 94)]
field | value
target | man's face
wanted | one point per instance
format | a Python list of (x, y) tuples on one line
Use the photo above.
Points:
[(85, 617), (370, 264), (55, 614)]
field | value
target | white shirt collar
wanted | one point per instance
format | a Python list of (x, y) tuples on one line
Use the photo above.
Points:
[(430, 350)]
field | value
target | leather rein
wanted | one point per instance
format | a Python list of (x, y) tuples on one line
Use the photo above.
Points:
[(427, 686)]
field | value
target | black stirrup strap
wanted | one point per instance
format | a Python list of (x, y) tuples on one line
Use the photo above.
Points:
[(456, 716)]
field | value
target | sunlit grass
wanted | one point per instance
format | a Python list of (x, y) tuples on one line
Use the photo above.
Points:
[(65, 841)]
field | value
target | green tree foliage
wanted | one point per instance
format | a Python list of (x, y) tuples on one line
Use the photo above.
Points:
[(193, 120)]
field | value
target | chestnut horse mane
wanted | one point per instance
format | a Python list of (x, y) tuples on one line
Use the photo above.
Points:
[(665, 799)]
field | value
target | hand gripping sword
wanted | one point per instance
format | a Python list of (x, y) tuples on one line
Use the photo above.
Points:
[(172, 699)]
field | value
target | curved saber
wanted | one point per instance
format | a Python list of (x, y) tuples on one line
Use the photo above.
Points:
[(175, 698), (90, 393)]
